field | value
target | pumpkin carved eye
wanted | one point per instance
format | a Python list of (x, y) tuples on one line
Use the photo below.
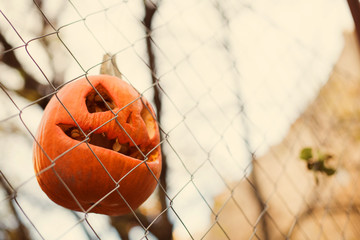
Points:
[(96, 103)]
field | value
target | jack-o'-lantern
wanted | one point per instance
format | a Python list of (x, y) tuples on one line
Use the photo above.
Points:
[(97, 147)]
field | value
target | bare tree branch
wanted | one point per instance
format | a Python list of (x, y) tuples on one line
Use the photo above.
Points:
[(354, 6), (150, 10), (32, 88), (21, 232), (161, 227)]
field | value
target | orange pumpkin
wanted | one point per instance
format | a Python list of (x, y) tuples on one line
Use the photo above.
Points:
[(98, 151)]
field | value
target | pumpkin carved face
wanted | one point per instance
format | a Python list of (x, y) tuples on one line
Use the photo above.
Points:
[(98, 151)]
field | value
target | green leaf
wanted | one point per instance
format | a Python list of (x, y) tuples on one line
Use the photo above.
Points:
[(306, 154), (329, 171)]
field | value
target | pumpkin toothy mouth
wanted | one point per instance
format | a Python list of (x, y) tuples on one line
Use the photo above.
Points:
[(101, 140)]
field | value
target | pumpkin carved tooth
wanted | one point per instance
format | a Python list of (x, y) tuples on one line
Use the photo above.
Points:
[(75, 133), (116, 147)]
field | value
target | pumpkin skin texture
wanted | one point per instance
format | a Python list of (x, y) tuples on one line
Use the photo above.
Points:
[(94, 164)]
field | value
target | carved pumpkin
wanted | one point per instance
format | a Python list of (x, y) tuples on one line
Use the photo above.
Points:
[(98, 153)]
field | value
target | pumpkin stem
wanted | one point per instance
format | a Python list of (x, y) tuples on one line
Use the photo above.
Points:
[(109, 66)]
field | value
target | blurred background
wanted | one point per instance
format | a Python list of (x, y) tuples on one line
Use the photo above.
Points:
[(257, 102)]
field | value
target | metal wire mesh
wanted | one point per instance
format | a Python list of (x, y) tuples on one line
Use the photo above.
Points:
[(240, 89)]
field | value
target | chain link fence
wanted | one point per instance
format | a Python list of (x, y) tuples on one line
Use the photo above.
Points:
[(256, 104)]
